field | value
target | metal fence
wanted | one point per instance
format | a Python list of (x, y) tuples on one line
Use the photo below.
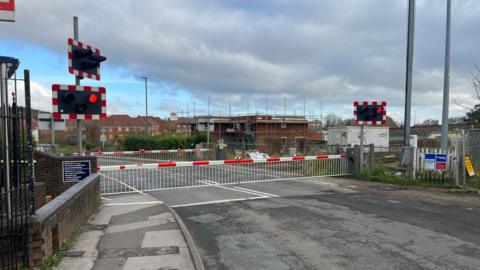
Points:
[(16, 177), (159, 176), (150, 156)]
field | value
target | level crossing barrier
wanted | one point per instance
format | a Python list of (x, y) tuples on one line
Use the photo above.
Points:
[(150, 156), (171, 175)]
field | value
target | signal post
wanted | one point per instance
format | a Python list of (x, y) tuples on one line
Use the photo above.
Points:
[(75, 101)]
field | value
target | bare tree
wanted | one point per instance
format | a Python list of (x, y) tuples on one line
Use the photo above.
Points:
[(473, 114), (475, 88), (476, 82), (430, 122)]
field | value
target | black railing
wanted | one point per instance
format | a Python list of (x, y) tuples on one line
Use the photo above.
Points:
[(16, 177)]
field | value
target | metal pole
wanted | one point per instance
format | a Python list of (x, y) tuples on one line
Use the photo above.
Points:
[(266, 105), (446, 83), (5, 139), (408, 81), (77, 82), (361, 146), (146, 106), (146, 97), (208, 124), (52, 123), (28, 106)]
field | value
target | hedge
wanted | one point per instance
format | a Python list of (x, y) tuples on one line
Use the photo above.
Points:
[(137, 142)]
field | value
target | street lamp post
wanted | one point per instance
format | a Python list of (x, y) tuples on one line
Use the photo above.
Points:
[(146, 105)]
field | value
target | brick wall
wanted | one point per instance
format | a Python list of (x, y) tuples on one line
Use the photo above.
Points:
[(48, 170), (62, 218)]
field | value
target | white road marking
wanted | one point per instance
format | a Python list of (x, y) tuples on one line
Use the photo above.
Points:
[(210, 183), (256, 191), (106, 199), (133, 203), (120, 182), (217, 202)]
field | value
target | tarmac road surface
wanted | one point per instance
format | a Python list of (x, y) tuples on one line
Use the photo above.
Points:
[(329, 223)]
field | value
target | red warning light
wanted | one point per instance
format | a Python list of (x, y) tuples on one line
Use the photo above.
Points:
[(93, 98), (380, 110)]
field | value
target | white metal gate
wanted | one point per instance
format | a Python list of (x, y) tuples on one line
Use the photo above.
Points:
[(169, 175)]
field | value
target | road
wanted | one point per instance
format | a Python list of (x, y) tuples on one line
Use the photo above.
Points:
[(329, 223)]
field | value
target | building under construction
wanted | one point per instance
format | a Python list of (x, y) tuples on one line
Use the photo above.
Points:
[(266, 133)]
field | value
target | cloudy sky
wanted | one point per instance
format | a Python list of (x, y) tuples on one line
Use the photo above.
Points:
[(326, 53)]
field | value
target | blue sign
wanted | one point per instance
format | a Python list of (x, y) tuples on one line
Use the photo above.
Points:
[(75, 171), (435, 162), (441, 158)]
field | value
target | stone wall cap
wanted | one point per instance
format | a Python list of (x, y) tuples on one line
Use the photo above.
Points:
[(54, 205)]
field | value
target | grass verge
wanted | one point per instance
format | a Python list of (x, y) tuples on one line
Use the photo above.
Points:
[(381, 175)]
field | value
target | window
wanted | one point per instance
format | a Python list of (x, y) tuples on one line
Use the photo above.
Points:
[(127, 129), (119, 129)]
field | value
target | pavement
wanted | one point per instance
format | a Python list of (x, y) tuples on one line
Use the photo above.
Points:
[(329, 223), (130, 232)]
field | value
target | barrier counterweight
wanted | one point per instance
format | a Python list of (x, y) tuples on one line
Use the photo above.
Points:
[(170, 175)]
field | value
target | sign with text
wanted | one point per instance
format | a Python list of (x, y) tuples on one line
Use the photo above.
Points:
[(469, 166), (435, 162), (75, 171), (7, 10)]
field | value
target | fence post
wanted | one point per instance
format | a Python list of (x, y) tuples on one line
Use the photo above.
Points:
[(371, 156), (357, 152), (461, 162)]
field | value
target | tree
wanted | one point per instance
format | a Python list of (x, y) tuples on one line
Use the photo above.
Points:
[(473, 116), (92, 135), (331, 120), (430, 122)]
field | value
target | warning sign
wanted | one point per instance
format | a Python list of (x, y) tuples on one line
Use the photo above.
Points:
[(7, 10), (435, 162), (469, 166), (74, 171)]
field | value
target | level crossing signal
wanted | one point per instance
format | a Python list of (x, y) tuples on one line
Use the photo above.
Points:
[(370, 113), (78, 102), (84, 60)]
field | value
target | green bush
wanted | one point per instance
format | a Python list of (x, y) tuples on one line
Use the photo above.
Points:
[(137, 142), (196, 139)]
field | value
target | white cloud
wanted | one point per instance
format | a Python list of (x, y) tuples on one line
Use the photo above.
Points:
[(41, 96)]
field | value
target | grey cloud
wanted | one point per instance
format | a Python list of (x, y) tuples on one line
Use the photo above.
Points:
[(332, 52)]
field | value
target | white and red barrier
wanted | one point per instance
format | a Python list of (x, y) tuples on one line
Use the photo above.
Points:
[(214, 162)]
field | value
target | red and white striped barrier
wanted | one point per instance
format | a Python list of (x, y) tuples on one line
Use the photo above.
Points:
[(214, 162), (141, 152)]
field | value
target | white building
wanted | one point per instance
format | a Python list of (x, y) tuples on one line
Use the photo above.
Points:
[(350, 136)]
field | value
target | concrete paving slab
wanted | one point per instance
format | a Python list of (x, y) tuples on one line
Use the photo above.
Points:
[(163, 238), (138, 215), (68, 263), (137, 252), (181, 261), (164, 218), (109, 264), (87, 242), (133, 226)]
